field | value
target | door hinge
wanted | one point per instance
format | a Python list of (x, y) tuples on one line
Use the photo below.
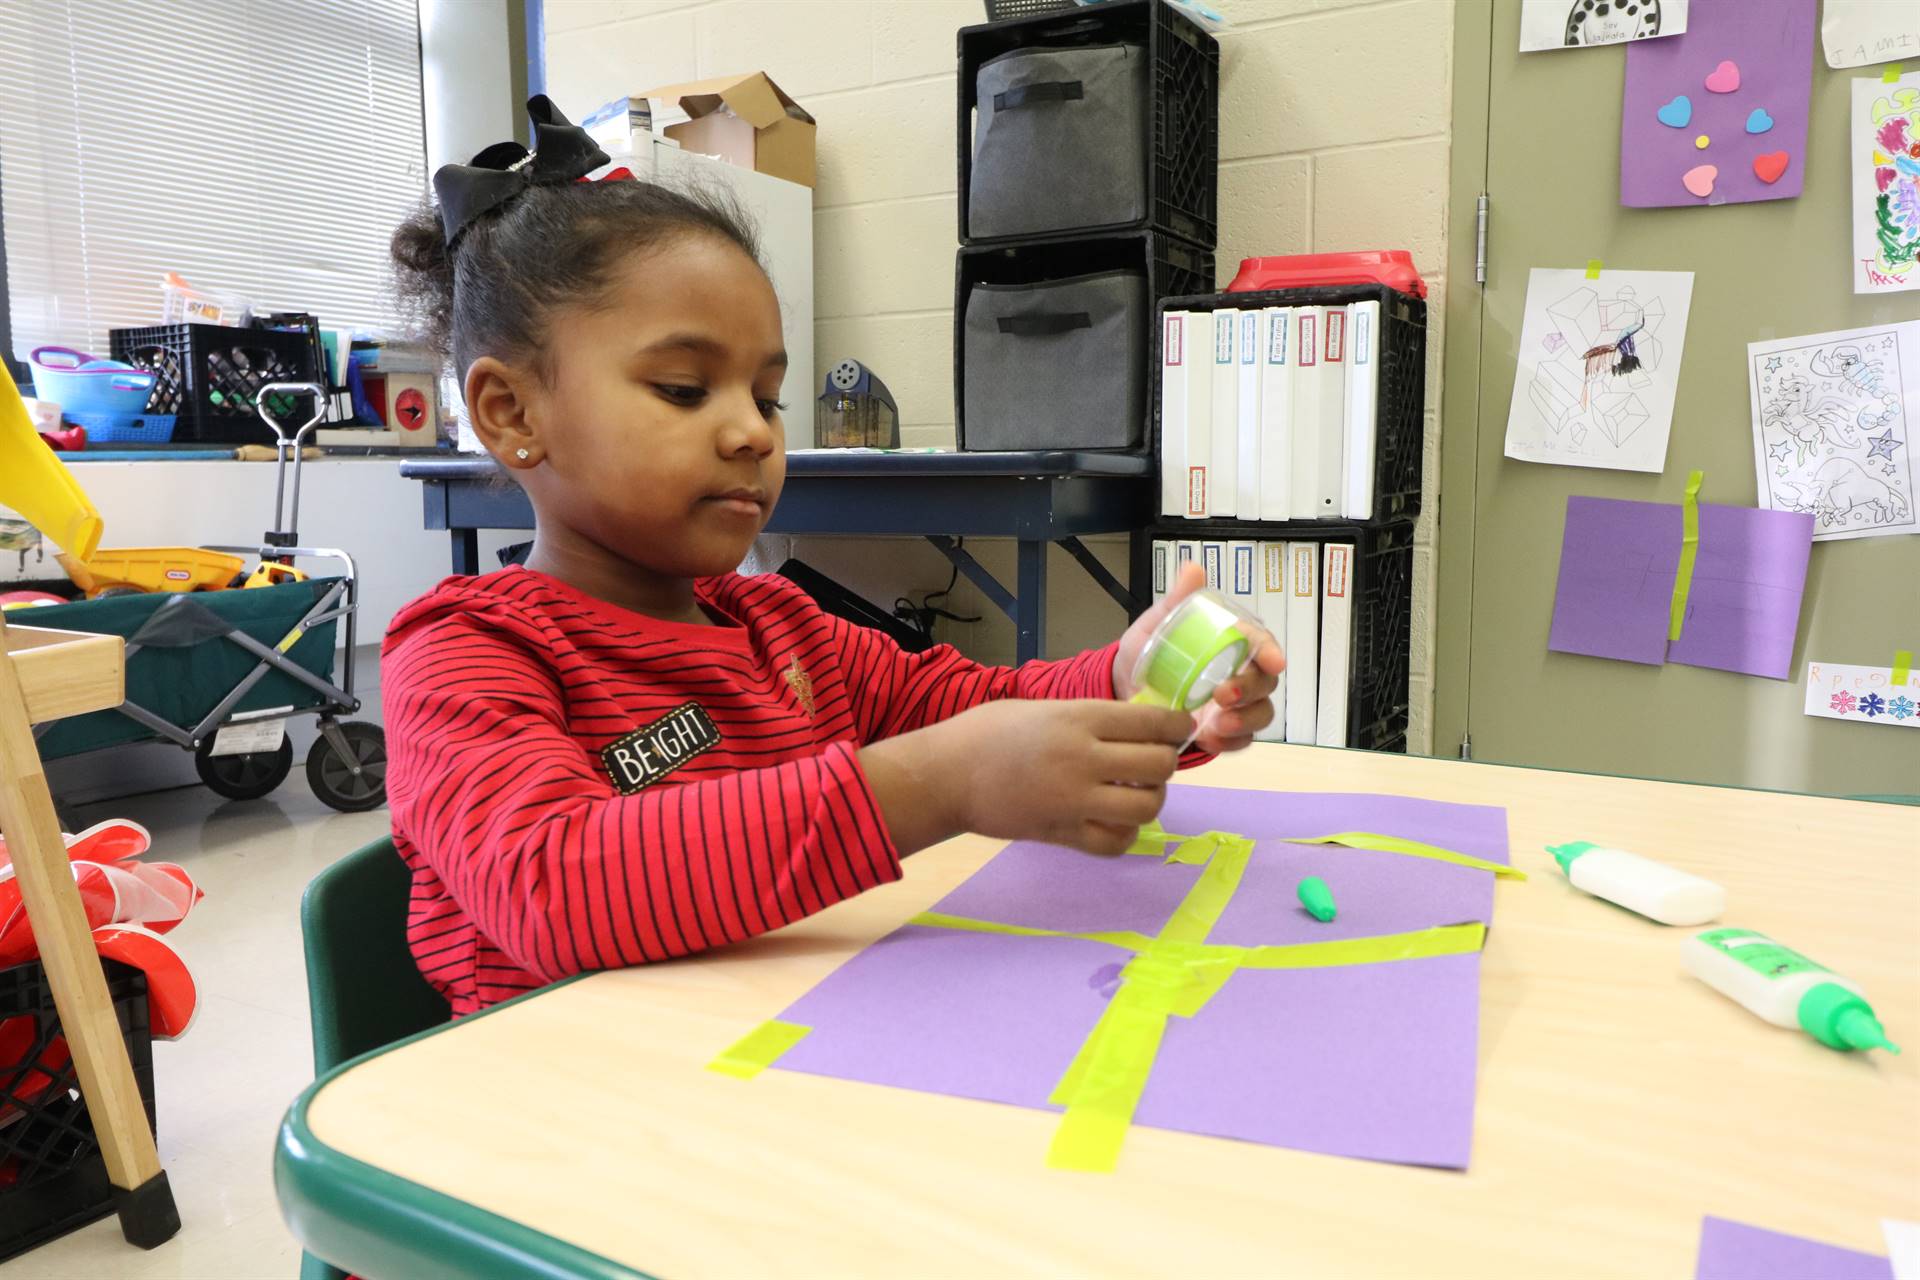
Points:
[(1480, 239), (1466, 746)]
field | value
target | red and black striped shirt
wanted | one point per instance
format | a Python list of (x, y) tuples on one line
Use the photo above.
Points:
[(529, 863)]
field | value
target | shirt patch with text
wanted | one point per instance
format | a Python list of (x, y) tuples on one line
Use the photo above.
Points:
[(641, 758)]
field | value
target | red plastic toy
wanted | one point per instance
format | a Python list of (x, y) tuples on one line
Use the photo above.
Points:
[(1391, 267), (71, 440)]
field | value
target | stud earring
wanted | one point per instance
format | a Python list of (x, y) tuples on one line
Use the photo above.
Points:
[(521, 454)]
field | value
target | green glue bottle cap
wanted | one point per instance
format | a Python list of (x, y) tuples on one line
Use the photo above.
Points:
[(1564, 854), (1317, 898), (1840, 1019)]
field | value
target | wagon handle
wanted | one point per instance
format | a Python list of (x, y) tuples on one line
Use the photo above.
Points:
[(289, 536)]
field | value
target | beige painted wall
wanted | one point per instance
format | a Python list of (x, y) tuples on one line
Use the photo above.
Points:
[(1334, 130)]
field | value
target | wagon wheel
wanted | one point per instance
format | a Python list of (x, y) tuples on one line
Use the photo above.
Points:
[(246, 776), (354, 782)]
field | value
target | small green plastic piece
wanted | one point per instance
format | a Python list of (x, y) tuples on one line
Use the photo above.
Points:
[(1317, 899), (1564, 854), (1840, 1019)]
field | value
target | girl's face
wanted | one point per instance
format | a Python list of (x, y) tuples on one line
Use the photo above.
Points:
[(658, 427)]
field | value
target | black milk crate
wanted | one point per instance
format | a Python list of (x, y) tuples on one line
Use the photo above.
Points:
[(53, 1177), (1401, 404), (211, 375), (1007, 10), (1183, 121), (1380, 664), (1172, 267)]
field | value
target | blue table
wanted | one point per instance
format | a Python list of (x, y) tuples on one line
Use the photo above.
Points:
[(1035, 498)]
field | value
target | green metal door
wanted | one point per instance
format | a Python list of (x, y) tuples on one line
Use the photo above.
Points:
[(1539, 133)]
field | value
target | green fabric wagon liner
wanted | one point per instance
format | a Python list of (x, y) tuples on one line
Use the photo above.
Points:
[(182, 684)]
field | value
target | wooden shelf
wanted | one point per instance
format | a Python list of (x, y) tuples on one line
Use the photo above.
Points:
[(67, 673)]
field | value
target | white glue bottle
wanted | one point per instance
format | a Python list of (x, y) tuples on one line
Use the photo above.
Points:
[(1785, 988), (1640, 884)]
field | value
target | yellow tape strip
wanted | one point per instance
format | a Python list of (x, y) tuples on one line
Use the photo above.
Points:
[(1902, 664), (1689, 549), (1412, 849), (1421, 944), (1891, 75), (1175, 976), (759, 1049), (1116, 937), (1194, 918), (1593, 268), (293, 638)]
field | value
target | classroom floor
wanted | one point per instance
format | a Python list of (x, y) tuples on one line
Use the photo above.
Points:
[(223, 1087)]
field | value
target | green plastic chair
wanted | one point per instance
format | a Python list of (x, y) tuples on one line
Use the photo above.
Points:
[(363, 989)]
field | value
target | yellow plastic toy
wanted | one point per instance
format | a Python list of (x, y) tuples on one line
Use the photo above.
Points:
[(35, 483), (119, 570)]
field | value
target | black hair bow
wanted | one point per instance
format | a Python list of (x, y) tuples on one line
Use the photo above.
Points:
[(562, 152)]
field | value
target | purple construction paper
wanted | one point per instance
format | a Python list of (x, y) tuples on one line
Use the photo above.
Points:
[(1373, 1061), (1771, 42), (1735, 1251), (1618, 560)]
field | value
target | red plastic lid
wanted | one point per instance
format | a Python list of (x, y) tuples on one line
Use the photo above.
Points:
[(1391, 267)]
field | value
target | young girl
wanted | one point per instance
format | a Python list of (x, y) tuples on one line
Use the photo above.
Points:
[(625, 751)]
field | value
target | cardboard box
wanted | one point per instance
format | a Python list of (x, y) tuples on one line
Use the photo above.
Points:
[(624, 130), (746, 120)]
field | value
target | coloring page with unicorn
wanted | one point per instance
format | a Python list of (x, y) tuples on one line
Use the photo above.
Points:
[(1833, 417), (1599, 366)]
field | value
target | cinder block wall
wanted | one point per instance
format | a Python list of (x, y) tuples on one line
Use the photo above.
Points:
[(1335, 125)]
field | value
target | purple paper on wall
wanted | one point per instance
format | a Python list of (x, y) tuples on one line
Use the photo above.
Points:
[(1376, 1061), (1741, 77), (1735, 1251), (1618, 560)]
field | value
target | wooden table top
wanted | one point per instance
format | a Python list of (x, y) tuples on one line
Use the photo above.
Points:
[(1619, 1099)]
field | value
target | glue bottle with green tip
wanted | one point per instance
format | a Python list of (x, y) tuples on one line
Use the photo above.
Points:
[(1785, 988)]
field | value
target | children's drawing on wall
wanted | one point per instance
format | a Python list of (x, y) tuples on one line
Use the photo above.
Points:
[(1886, 184), (1599, 365), (1577, 24), (1832, 427)]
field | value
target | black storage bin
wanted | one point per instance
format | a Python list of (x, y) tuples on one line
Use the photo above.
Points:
[(1164, 265), (1057, 141), (1060, 364), (1176, 136), (1380, 664), (53, 1177), (210, 375), (1400, 423)]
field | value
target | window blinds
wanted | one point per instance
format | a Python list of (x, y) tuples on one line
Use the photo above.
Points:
[(262, 149)]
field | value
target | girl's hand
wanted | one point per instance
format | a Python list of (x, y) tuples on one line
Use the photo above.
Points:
[(1084, 774), (1241, 705)]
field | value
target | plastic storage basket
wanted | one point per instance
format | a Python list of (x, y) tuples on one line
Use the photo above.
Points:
[(1400, 441), (53, 1177), (1169, 266), (80, 383), (210, 375), (1379, 663), (1180, 140), (124, 428)]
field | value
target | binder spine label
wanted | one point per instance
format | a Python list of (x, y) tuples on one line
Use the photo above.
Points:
[(1336, 336)]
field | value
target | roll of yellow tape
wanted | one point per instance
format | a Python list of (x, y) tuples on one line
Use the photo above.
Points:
[(1202, 643)]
